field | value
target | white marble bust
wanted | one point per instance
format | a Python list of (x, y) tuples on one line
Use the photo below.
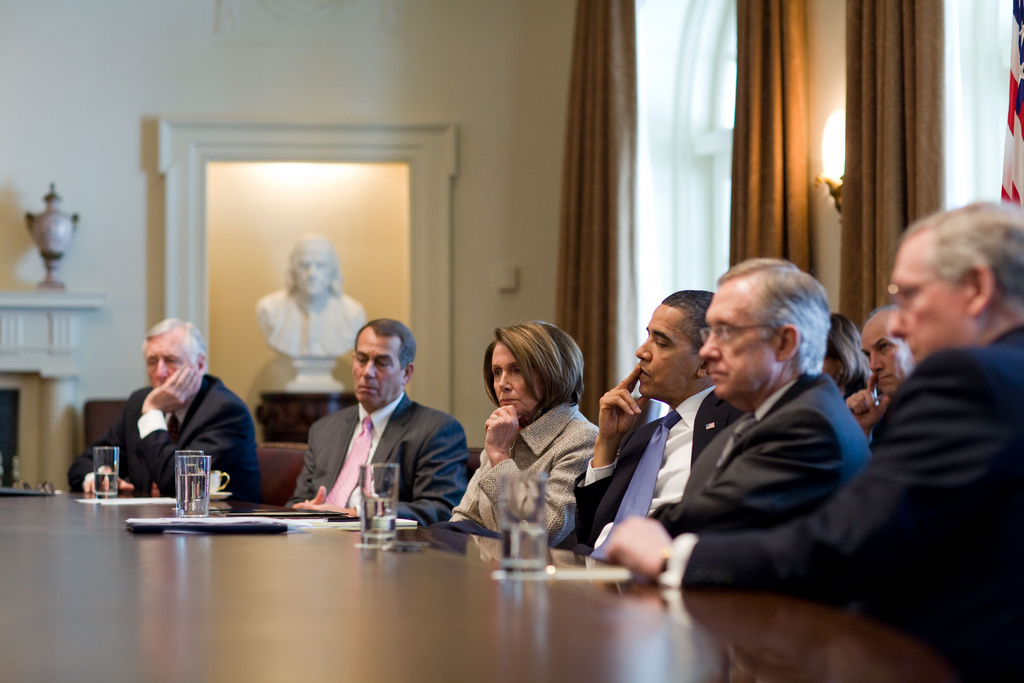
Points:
[(311, 317)]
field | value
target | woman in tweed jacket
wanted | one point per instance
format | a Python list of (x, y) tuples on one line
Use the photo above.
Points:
[(534, 375)]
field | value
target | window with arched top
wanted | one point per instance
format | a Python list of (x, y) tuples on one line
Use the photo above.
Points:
[(686, 51)]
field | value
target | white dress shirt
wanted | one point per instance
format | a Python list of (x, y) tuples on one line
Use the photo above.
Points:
[(675, 464), (380, 419)]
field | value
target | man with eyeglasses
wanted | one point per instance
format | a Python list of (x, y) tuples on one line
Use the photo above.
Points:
[(764, 347), (930, 537)]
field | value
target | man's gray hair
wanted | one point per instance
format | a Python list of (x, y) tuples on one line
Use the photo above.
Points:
[(194, 345), (788, 296), (888, 308), (980, 234)]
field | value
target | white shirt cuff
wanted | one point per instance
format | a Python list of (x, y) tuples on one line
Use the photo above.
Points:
[(151, 421), (682, 548), (598, 473)]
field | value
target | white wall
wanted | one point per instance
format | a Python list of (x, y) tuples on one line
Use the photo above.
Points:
[(82, 83)]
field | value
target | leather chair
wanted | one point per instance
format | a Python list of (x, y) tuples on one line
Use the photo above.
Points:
[(99, 416), (473, 461), (280, 464)]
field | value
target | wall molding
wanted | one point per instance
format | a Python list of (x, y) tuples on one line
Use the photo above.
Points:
[(186, 147)]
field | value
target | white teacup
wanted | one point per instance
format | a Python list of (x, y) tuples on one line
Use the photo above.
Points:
[(218, 480)]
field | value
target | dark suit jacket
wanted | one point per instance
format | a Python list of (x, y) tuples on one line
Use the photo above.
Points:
[(429, 446), (597, 504), (217, 423), (783, 465), (930, 538)]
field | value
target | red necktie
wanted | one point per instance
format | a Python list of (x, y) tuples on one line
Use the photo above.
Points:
[(173, 427), (349, 475)]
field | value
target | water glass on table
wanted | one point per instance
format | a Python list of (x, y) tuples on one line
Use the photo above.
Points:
[(378, 484), (192, 483), (521, 524), (104, 469)]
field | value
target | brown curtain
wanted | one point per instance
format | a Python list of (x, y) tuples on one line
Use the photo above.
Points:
[(596, 279), (769, 158), (894, 130)]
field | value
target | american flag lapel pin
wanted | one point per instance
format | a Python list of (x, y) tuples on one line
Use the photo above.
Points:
[(709, 425)]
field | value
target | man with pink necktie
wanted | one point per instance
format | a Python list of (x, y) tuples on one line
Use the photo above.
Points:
[(428, 445)]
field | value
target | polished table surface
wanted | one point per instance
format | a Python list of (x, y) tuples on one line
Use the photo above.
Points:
[(81, 598)]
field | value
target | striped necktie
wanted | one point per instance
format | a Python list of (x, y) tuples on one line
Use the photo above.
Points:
[(349, 475), (173, 427), (636, 502)]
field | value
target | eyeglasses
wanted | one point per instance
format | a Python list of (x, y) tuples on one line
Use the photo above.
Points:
[(725, 333), (902, 296)]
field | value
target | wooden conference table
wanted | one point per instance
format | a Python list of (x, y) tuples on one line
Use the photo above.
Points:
[(83, 599)]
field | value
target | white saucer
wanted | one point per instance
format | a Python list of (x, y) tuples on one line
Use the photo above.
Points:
[(220, 495)]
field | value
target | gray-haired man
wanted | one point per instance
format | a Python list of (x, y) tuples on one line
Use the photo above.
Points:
[(183, 409), (764, 346), (929, 538)]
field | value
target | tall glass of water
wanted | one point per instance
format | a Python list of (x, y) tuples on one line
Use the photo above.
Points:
[(105, 460), (192, 483), (378, 484), (521, 523)]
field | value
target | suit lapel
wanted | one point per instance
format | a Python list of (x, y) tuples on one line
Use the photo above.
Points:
[(349, 420), (393, 432), (710, 468), (188, 424), (713, 416)]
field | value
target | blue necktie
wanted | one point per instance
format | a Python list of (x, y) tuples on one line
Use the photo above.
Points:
[(637, 500)]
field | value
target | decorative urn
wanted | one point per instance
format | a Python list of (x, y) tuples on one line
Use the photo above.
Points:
[(52, 231)]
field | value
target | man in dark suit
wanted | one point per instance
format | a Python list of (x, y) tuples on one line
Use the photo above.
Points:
[(763, 347), (183, 409), (669, 371), (930, 538), (891, 363), (385, 426)]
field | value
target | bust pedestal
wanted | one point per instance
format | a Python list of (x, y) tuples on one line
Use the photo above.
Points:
[(288, 416)]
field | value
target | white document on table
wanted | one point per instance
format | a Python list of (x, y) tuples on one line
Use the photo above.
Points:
[(127, 501)]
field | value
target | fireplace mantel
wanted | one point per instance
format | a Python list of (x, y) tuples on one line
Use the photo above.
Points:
[(40, 332), (40, 339)]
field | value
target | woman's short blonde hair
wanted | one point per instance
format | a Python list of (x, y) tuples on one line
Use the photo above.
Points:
[(549, 359)]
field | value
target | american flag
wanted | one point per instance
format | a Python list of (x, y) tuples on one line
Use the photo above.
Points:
[(1013, 159)]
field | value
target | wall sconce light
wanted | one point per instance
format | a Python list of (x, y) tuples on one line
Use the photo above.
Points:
[(833, 156)]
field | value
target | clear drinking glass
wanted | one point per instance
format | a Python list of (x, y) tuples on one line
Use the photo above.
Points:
[(192, 483), (105, 460), (521, 523), (378, 484)]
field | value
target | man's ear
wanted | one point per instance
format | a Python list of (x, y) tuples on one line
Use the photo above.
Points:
[(980, 288), (406, 374), (788, 342), (702, 369), (201, 363)]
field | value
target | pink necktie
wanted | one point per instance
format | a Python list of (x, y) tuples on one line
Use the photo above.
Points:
[(349, 475)]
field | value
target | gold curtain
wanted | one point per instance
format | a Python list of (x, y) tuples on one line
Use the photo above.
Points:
[(596, 279), (894, 131), (769, 159)]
